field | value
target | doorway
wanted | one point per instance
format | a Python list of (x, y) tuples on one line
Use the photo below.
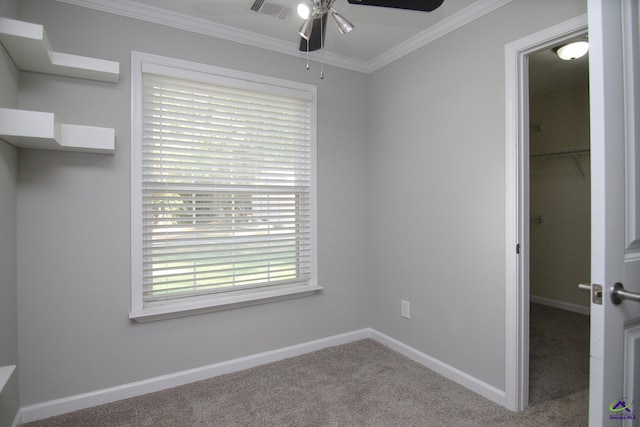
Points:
[(559, 179), (559, 224), (521, 218)]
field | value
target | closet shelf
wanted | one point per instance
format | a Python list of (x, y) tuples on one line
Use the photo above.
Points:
[(5, 374), (573, 152), (564, 152), (40, 130), (29, 47)]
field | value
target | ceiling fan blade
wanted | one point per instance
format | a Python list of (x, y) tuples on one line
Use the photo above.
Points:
[(421, 5), (317, 35)]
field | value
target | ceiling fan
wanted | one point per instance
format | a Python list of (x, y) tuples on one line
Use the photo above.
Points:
[(313, 30)]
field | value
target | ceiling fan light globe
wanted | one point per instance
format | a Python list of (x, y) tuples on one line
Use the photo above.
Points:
[(303, 9), (344, 26), (306, 29)]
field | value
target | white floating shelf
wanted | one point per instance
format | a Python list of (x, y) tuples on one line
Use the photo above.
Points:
[(30, 49), (5, 374), (40, 130)]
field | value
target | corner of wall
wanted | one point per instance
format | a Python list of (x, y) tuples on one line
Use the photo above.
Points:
[(10, 396)]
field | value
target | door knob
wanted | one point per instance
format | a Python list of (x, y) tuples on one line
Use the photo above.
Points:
[(618, 294)]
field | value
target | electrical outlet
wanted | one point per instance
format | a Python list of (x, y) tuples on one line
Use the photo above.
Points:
[(405, 309)]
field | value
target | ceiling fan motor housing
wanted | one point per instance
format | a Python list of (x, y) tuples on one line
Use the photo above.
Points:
[(313, 37)]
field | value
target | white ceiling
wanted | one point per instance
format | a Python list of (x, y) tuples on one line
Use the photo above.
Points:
[(381, 35)]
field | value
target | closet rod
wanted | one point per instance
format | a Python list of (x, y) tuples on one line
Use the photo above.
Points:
[(565, 152)]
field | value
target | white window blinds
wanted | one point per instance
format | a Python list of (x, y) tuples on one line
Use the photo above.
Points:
[(226, 187)]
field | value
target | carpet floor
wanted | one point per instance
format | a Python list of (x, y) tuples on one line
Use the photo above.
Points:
[(365, 383)]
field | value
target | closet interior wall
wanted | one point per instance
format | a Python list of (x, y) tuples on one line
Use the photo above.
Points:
[(560, 190)]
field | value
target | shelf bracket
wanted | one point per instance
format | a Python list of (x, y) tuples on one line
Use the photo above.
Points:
[(577, 162)]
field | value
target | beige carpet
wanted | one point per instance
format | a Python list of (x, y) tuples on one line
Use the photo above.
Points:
[(365, 384)]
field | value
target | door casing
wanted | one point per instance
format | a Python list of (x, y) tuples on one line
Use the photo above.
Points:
[(517, 202)]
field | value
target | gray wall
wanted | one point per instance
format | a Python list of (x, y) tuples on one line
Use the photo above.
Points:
[(9, 399), (437, 165), (561, 192), (411, 206), (73, 221)]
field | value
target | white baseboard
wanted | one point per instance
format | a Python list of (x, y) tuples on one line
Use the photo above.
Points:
[(560, 304), (55, 407), (486, 390), (86, 400), (17, 421)]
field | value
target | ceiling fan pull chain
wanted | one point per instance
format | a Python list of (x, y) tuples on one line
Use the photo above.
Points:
[(322, 47), (307, 55)]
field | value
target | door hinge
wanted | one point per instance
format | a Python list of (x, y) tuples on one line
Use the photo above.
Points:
[(518, 248)]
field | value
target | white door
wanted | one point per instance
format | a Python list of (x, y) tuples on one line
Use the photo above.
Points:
[(614, 390)]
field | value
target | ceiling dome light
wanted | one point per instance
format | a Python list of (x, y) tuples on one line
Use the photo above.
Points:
[(573, 50), (304, 10)]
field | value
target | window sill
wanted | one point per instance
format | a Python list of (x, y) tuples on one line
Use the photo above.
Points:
[(219, 303)]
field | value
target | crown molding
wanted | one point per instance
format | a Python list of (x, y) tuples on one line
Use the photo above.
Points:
[(142, 12), (433, 33), (132, 9)]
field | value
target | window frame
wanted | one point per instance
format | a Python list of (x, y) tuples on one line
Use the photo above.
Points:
[(228, 299)]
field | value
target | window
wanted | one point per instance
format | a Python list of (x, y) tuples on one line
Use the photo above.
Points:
[(223, 199)]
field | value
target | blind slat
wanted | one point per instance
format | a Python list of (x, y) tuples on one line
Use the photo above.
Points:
[(226, 174)]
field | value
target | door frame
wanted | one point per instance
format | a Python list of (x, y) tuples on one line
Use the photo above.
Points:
[(517, 202)]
